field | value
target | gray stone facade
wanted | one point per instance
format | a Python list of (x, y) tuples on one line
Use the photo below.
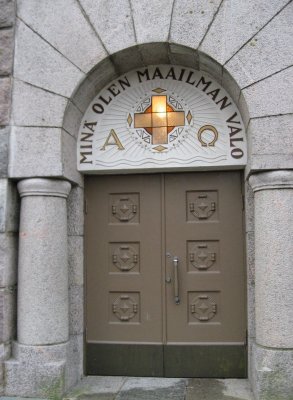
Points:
[(9, 202), (53, 61)]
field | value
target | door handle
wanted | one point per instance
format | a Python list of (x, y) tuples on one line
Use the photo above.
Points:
[(176, 282)]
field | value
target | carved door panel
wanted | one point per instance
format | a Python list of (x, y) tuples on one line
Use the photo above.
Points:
[(124, 274), (204, 232), (165, 279)]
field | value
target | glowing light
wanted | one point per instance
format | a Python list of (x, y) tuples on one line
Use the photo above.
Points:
[(159, 119), (159, 104)]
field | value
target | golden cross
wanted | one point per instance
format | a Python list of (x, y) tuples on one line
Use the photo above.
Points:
[(159, 119)]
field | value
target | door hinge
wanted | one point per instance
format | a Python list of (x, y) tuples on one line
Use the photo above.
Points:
[(85, 206), (243, 202)]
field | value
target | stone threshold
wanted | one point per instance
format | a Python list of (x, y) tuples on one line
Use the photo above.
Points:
[(131, 388)]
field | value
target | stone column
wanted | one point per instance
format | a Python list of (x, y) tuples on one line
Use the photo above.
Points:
[(42, 311), (273, 350)]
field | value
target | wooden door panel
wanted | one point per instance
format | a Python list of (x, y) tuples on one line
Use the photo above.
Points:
[(134, 326), (123, 259), (205, 211)]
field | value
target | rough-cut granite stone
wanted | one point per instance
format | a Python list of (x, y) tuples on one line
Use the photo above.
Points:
[(111, 20), (7, 14), (38, 63), (64, 26), (6, 50), (5, 99), (191, 20)]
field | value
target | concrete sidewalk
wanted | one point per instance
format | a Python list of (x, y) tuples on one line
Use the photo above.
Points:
[(127, 388)]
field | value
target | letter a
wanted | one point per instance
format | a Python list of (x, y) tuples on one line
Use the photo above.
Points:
[(112, 140)]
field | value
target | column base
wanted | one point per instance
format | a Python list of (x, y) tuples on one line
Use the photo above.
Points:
[(36, 371), (272, 373)]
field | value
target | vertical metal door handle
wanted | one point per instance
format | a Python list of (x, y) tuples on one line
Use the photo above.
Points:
[(176, 283)]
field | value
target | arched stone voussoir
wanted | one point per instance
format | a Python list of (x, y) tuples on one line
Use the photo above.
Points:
[(66, 28), (191, 21), (269, 96), (112, 20), (152, 20), (236, 24), (38, 63), (267, 53)]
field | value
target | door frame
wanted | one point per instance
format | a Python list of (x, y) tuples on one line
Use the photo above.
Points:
[(213, 348)]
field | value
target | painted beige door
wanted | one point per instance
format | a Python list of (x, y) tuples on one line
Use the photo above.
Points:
[(165, 279)]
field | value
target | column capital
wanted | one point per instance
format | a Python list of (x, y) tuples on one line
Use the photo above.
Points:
[(281, 179), (44, 187)]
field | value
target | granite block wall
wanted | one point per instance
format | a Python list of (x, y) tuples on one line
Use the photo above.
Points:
[(9, 208)]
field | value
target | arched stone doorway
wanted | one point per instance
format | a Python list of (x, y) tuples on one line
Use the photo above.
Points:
[(50, 156), (107, 136)]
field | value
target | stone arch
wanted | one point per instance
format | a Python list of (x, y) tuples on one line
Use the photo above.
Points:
[(113, 67), (67, 56)]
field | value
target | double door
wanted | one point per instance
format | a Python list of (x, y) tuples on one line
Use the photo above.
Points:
[(165, 286)]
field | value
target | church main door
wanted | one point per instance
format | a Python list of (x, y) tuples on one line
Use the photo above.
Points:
[(165, 282)]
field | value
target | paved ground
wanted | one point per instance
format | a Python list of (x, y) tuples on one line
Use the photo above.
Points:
[(121, 388)]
